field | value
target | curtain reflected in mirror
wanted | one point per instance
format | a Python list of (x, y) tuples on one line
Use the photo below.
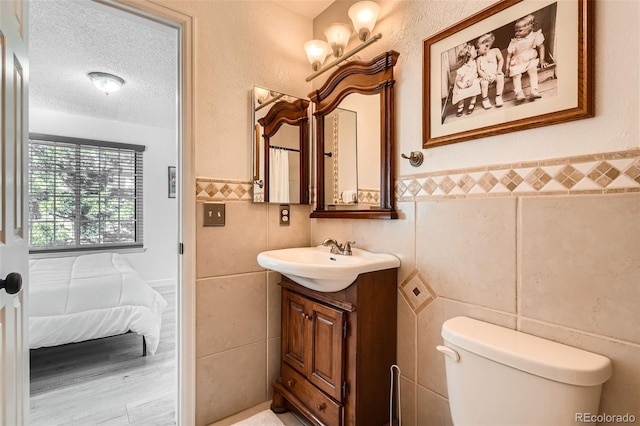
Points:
[(281, 178), (280, 148)]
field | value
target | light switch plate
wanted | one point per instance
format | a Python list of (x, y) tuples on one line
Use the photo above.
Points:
[(213, 214)]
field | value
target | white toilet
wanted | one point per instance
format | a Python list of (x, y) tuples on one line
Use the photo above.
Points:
[(497, 376)]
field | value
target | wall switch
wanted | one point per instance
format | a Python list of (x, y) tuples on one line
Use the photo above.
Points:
[(285, 214), (213, 214)]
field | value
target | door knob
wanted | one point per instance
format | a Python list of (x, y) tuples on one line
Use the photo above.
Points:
[(12, 284)]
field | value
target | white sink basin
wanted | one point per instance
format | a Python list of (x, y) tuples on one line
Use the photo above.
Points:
[(318, 269)]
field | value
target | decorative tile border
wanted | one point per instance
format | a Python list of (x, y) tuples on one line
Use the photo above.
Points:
[(588, 174), (208, 189), (607, 173), (369, 196)]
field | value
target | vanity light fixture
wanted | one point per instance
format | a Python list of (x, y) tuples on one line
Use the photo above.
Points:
[(261, 95), (317, 51), (106, 82), (338, 36), (265, 97), (363, 15)]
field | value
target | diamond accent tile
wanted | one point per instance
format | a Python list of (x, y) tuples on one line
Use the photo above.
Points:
[(368, 197), (414, 187), (446, 184), (538, 178), (487, 181), (568, 176), (466, 182), (603, 174), (634, 171), (417, 292), (240, 191), (511, 180), (211, 190), (226, 190), (401, 187), (429, 186)]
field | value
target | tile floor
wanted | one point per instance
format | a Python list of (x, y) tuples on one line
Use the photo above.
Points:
[(289, 419)]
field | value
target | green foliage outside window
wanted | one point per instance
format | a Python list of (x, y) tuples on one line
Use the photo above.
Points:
[(84, 196)]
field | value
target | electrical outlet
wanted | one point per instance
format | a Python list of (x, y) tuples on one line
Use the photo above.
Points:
[(213, 214), (285, 214)]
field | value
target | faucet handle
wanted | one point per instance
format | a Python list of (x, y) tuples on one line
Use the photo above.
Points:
[(329, 241), (347, 247)]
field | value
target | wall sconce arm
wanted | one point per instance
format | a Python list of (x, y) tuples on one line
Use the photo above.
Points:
[(350, 53)]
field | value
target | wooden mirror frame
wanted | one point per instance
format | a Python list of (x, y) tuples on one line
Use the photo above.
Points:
[(293, 113), (367, 78)]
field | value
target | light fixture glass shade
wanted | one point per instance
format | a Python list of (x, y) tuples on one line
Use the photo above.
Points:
[(338, 37), (317, 51), (261, 94), (106, 82), (363, 15)]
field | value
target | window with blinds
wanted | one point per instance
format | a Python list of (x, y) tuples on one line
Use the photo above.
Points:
[(84, 194)]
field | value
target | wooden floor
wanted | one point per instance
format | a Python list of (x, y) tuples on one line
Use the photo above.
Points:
[(107, 381)]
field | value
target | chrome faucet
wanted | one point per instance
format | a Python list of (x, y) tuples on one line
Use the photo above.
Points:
[(337, 248)]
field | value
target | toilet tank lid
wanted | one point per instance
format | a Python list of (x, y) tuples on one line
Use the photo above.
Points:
[(526, 352)]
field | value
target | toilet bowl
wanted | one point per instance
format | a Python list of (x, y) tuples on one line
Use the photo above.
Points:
[(498, 376)]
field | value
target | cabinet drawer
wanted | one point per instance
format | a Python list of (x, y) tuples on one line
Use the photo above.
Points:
[(323, 407)]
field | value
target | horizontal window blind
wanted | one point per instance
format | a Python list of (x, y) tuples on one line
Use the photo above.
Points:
[(84, 194)]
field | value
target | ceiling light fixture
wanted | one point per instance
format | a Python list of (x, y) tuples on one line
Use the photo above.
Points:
[(363, 16), (106, 82)]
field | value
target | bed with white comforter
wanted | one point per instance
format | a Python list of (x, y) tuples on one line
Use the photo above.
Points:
[(73, 299)]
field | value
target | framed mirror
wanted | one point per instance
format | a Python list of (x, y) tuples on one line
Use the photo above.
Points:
[(354, 117), (280, 148)]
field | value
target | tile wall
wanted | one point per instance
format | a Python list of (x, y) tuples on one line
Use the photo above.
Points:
[(549, 248), (238, 302)]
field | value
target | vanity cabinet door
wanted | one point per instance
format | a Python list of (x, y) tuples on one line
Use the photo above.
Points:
[(313, 342), (327, 350), (296, 344)]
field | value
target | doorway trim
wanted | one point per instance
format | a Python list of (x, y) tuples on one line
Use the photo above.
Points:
[(186, 301)]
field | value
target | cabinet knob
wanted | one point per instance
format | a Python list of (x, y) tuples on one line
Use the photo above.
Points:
[(305, 316), (322, 406), (290, 382)]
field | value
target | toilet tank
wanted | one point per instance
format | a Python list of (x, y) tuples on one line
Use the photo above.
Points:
[(498, 376)]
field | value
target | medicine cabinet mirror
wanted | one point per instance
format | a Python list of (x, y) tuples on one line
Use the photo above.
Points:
[(354, 118), (280, 148)]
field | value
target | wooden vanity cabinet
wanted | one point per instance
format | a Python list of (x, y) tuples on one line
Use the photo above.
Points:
[(336, 351)]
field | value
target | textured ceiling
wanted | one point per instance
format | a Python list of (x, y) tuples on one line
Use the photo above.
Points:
[(69, 39), (308, 8)]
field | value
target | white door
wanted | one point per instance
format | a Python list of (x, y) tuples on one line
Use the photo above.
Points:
[(14, 375)]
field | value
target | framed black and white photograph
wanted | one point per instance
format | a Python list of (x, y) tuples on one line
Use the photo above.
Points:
[(516, 65), (172, 182)]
